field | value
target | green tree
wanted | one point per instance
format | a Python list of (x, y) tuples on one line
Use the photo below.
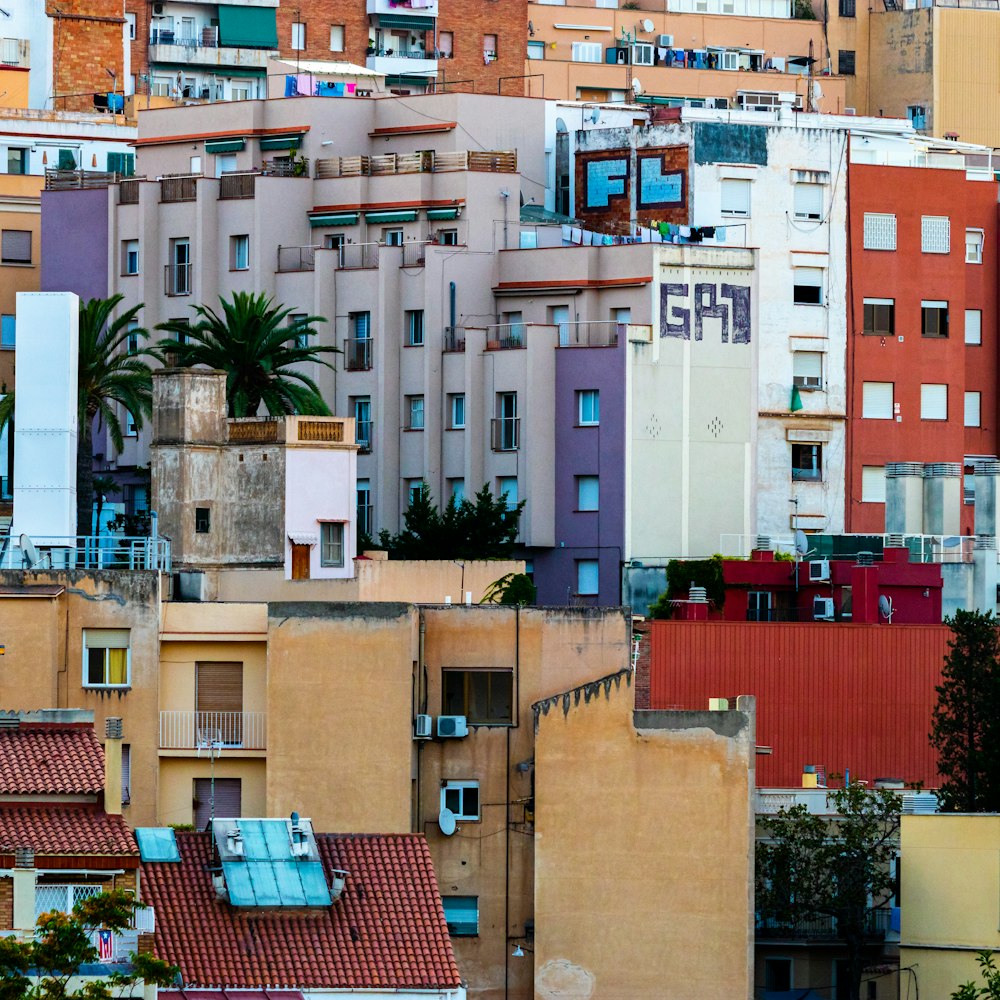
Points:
[(41, 968), (811, 867), (259, 349), (965, 729), (512, 588), (681, 574), (991, 981)]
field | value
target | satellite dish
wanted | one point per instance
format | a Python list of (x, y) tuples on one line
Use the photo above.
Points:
[(595, 114), (561, 125), (647, 25), (29, 554), (801, 542), (636, 88), (885, 607), (447, 822)]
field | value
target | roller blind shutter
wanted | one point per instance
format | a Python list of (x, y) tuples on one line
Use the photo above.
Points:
[(876, 400), (247, 27), (934, 401), (220, 687), (228, 800), (15, 246), (106, 638)]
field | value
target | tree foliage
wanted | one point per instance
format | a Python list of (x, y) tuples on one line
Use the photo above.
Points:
[(681, 575), (261, 352), (990, 990), (837, 867), (512, 589), (42, 967), (965, 729), (483, 528)]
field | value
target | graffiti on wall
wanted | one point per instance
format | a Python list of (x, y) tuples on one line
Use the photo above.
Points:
[(659, 188), (606, 180), (727, 303), (623, 185)]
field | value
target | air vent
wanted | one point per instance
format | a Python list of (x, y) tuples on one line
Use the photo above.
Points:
[(895, 541), (763, 543), (24, 857), (866, 558), (113, 728)]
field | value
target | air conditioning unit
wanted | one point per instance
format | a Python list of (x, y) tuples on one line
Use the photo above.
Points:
[(665, 41), (157, 8), (823, 609), (422, 726), (452, 726), (819, 570), (189, 585), (808, 381), (850, 111)]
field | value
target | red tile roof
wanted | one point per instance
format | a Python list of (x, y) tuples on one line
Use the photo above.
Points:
[(387, 930), (64, 829), (50, 760)]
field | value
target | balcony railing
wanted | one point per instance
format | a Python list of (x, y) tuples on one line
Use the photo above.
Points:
[(820, 928), (176, 279), (414, 254), (594, 333), (128, 192), (428, 161), (454, 340), (357, 354), (363, 435), (354, 256), (190, 730), (184, 187), (505, 337), (237, 185), (297, 258), (66, 180), (88, 552), (505, 433), (287, 166)]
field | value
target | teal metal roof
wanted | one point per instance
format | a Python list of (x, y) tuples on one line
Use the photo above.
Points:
[(157, 843)]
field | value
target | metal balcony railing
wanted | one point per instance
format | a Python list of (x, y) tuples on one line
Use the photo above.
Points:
[(190, 730), (354, 256), (820, 927), (87, 552), (177, 279), (454, 339), (287, 166), (237, 185), (593, 333), (363, 436), (365, 519), (505, 433), (297, 258), (505, 337), (357, 354), (414, 254), (427, 161)]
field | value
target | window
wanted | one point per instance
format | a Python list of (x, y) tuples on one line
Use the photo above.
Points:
[(195, 162), (807, 289), (642, 54), (973, 246), (588, 407), (935, 234), (331, 543), (298, 35), (507, 489), (973, 326), (777, 974), (415, 413), (759, 603), (225, 163), (484, 697), (873, 484), (240, 93), (184, 321), (8, 331), (809, 202), (363, 503), (588, 492), (446, 44), (126, 773), (456, 489), (392, 237), (880, 231), (67, 160), (807, 463), (456, 408), (934, 401), (461, 913), (202, 520), (130, 22), (415, 328), (360, 325), (301, 337), (506, 425), (587, 577), (877, 400), (489, 48), (462, 798), (132, 344), (845, 62), (536, 50), (106, 657), (219, 703), (336, 38), (414, 488), (15, 246), (880, 317), (587, 52), (847, 8), (228, 800), (239, 253), (807, 369), (363, 423), (448, 237), (934, 318), (130, 256), (972, 408), (17, 161), (736, 198), (179, 269)]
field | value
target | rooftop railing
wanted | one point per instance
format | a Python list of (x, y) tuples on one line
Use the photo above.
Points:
[(88, 552), (429, 161)]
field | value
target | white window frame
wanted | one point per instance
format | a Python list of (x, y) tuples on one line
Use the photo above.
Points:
[(415, 413), (734, 198), (808, 200), (869, 393), (594, 396), (414, 328), (588, 493), (586, 52), (130, 257), (809, 277), (642, 54), (240, 252), (873, 484), (807, 370), (329, 544), (456, 411), (880, 231), (931, 397), (461, 786), (975, 245), (975, 335), (508, 485), (334, 29), (298, 36), (973, 409), (116, 638), (935, 234)]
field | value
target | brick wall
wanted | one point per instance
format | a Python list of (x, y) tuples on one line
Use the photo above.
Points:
[(318, 16), (6, 903), (508, 20), (642, 664), (86, 40), (139, 52)]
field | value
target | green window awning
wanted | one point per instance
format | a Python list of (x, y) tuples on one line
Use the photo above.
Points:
[(224, 145), (248, 27), (334, 219), (401, 215), (282, 142), (415, 23), (442, 213)]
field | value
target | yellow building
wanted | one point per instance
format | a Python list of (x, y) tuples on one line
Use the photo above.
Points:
[(949, 889)]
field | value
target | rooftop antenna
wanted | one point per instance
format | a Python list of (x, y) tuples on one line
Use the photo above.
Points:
[(885, 608), (214, 748)]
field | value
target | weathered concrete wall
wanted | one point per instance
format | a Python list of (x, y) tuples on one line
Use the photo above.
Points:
[(644, 849), (902, 73)]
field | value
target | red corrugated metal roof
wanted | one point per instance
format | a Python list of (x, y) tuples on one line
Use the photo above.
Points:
[(845, 696)]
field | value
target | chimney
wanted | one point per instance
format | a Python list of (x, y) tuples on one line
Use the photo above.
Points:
[(942, 498), (904, 498), (113, 766), (24, 876), (986, 473)]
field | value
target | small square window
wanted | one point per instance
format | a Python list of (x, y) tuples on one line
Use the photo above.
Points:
[(15, 246), (587, 577), (415, 413), (807, 370), (461, 913), (484, 697), (807, 463), (807, 289), (934, 318), (877, 401), (336, 38), (808, 200), (973, 246), (392, 237), (973, 326), (107, 658), (415, 328), (846, 62), (202, 520), (879, 317), (462, 798), (879, 231), (331, 541), (588, 492), (17, 160), (536, 50), (457, 410), (873, 484), (935, 234), (588, 407), (448, 237), (239, 253), (736, 198), (130, 257), (934, 401)]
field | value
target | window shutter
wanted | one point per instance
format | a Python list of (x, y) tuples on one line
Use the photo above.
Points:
[(588, 490), (876, 400), (736, 198), (15, 246), (873, 484), (934, 401), (809, 201), (228, 800), (972, 405), (220, 687), (106, 638), (126, 771), (973, 326)]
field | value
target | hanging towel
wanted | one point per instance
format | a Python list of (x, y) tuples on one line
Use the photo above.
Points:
[(303, 83), (567, 234), (290, 90), (607, 241), (588, 238), (685, 231), (351, 88), (720, 234), (578, 236)]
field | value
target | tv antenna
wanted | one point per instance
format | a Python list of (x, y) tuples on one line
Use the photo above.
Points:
[(214, 747), (885, 608)]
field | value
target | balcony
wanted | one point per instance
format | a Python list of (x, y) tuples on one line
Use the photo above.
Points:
[(363, 432), (65, 180), (426, 162), (396, 62), (357, 256), (176, 279), (203, 50), (191, 730), (821, 927), (505, 433), (357, 354), (182, 187), (16, 52), (128, 192), (286, 166), (595, 333), (90, 552), (414, 254), (505, 336), (297, 258), (403, 8), (454, 340), (237, 185)]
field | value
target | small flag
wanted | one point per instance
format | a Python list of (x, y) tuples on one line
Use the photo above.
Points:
[(796, 403), (105, 946)]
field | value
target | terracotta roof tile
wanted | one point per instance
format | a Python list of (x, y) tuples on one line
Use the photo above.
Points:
[(50, 760), (387, 931), (64, 829)]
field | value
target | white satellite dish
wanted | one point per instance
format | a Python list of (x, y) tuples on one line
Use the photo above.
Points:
[(647, 25), (29, 554), (636, 88), (885, 607), (447, 822), (595, 114), (801, 542)]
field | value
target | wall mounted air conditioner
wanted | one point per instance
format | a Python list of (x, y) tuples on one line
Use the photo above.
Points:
[(819, 570), (665, 41), (452, 726), (823, 609), (422, 726)]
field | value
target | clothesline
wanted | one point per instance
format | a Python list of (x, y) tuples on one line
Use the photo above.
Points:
[(661, 232), (306, 85)]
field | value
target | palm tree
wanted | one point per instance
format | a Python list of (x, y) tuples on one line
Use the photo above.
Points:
[(253, 342)]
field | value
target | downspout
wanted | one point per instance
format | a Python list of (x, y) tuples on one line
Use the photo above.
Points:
[(451, 304), (421, 700), (517, 717), (849, 355)]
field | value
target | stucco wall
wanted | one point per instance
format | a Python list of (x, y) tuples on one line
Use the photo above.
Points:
[(178, 775)]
